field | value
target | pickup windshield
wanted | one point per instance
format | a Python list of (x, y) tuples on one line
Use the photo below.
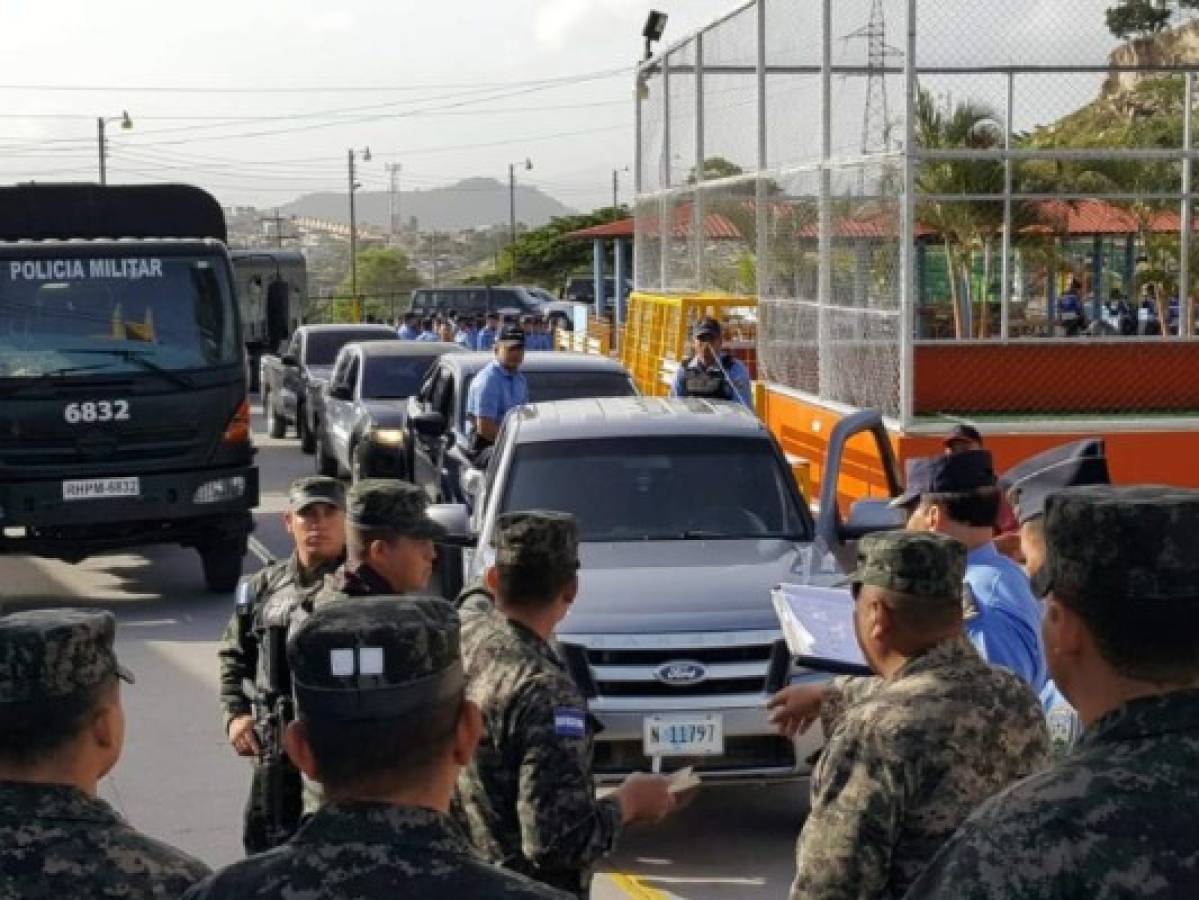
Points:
[(392, 377), (118, 313), (322, 347), (545, 387), (660, 488)]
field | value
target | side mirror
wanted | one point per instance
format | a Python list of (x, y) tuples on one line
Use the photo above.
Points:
[(472, 482), (455, 519), (428, 423), (284, 348), (288, 360), (868, 516), (340, 392)]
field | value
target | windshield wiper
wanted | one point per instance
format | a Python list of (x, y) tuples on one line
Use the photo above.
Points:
[(22, 382), (138, 357)]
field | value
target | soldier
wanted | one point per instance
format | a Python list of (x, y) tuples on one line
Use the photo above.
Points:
[(62, 728), (389, 541), (527, 799), (256, 637), (1118, 817), (384, 725), (923, 744)]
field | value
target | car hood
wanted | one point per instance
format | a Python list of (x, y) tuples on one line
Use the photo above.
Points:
[(676, 586), (386, 413)]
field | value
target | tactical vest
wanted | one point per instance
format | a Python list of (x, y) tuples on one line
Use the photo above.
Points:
[(708, 381)]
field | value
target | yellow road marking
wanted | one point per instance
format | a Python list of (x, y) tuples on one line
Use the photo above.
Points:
[(635, 887)]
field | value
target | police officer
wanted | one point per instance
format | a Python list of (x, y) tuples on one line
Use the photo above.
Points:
[(384, 725), (709, 372), (410, 329), (467, 335), (936, 733), (498, 388), (62, 728), (489, 332), (1118, 817), (266, 605), (957, 495), (527, 798), (389, 541)]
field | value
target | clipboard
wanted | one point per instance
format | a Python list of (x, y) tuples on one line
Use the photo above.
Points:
[(817, 624)]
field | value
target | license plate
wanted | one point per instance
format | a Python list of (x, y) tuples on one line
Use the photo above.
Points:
[(100, 488), (701, 734)]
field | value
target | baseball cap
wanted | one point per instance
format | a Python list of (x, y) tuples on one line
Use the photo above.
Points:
[(48, 654), (963, 432), (304, 492), (707, 327), (955, 473), (511, 334)]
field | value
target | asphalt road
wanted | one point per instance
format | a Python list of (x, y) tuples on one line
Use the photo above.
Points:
[(180, 781)]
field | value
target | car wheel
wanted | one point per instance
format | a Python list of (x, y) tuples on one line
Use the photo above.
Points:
[(276, 427), (325, 464), (307, 437)]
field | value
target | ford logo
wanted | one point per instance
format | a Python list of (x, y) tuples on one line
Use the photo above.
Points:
[(680, 673)]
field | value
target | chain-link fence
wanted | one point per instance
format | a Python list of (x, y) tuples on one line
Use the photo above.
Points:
[(935, 202)]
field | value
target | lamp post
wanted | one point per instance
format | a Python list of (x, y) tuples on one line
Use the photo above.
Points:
[(126, 124), (616, 186), (353, 186), (528, 164), (655, 25)]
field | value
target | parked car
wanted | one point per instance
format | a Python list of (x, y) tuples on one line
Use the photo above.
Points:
[(475, 300), (581, 289), (437, 455), (364, 407), (289, 379), (688, 517)]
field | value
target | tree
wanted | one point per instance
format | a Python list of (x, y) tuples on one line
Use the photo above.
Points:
[(1140, 18), (718, 167), (546, 257), (385, 282)]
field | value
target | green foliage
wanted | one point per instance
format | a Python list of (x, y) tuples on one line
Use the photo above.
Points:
[(385, 282), (545, 256), (717, 167), (1141, 18)]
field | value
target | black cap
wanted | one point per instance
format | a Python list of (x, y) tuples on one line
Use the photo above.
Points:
[(511, 334), (1068, 465), (370, 658), (707, 328), (963, 432), (954, 473)]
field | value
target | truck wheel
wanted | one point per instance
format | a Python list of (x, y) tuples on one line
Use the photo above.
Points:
[(307, 438), (276, 426), (325, 464), (222, 564)]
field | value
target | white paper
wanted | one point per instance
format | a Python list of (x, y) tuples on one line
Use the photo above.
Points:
[(817, 623)]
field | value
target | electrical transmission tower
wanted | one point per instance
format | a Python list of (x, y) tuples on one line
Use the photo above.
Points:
[(876, 115)]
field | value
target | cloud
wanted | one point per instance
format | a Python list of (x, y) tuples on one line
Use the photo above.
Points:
[(556, 22), (338, 20)]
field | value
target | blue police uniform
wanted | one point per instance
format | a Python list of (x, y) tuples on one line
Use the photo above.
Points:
[(738, 376), (408, 333), (486, 338), (467, 338), (428, 336), (494, 392)]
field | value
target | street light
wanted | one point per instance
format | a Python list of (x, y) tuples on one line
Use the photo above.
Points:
[(126, 124), (616, 186), (354, 185), (655, 25), (528, 164)]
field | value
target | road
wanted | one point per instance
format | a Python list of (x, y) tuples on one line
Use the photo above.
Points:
[(179, 780)]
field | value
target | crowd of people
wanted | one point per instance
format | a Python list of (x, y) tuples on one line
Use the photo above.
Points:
[(1077, 314), (1031, 729), (475, 332)]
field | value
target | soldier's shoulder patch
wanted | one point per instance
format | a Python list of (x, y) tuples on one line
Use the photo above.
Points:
[(570, 721)]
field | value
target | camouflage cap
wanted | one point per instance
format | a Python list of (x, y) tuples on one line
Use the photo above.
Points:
[(51, 653), (376, 658), (1106, 544), (919, 563), (398, 505), (316, 489), (537, 538)]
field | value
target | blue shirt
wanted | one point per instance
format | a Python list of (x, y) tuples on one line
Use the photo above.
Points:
[(486, 338), (494, 392), (539, 341), (1006, 624), (428, 336), (408, 332), (467, 338), (738, 375)]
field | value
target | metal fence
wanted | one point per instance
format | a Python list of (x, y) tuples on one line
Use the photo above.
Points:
[(891, 177)]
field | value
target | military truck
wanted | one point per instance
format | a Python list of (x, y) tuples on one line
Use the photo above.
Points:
[(123, 411)]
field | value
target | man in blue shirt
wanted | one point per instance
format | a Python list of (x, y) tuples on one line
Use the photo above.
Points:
[(489, 332), (957, 495), (498, 388), (710, 373), (467, 336), (408, 330), (1070, 313), (426, 331)]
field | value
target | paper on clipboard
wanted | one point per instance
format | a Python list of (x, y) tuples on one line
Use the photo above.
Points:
[(817, 625)]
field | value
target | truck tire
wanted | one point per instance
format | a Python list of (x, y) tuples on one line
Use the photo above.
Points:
[(222, 562), (325, 464), (307, 438), (276, 425)]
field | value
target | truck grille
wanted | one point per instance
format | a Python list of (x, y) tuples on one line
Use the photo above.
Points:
[(147, 444)]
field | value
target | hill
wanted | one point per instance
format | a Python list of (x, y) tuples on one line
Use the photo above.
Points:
[(471, 203)]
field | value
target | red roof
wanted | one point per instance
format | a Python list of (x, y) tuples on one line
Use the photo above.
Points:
[(716, 227), (622, 228)]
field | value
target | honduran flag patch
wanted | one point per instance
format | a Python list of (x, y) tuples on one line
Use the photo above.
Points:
[(570, 722)]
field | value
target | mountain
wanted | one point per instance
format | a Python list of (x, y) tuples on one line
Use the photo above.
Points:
[(471, 203)]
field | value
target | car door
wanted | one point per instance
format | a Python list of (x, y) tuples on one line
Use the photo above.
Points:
[(427, 449), (289, 377), (339, 411)]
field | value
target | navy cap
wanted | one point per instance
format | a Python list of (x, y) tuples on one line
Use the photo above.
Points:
[(963, 432), (511, 334), (954, 473), (1067, 465), (708, 327)]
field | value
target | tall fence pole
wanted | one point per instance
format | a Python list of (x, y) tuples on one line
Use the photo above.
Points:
[(665, 221), (1186, 306), (697, 197), (760, 196), (907, 250), (824, 346), (1005, 272)]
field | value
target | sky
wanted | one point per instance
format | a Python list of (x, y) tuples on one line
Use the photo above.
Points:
[(259, 100)]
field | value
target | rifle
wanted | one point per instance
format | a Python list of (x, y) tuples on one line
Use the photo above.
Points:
[(277, 783)]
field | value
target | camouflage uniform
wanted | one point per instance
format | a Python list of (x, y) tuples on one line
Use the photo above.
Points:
[(55, 840), (911, 755), (278, 596), (360, 660), (527, 798), (1119, 816)]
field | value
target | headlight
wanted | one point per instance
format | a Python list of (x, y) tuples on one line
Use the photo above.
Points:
[(389, 436), (220, 490)]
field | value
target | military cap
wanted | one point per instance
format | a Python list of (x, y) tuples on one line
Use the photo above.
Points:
[(53, 653), (398, 505), (1068, 465), (1106, 544), (511, 334), (376, 658), (920, 563), (947, 473), (707, 328), (963, 433), (537, 538), (316, 489)]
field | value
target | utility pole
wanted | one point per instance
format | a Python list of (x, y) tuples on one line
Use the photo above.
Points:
[(393, 199), (876, 116), (616, 186), (102, 140), (512, 216), (353, 186), (103, 168)]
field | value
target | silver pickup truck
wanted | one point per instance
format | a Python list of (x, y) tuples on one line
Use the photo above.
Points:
[(689, 515)]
